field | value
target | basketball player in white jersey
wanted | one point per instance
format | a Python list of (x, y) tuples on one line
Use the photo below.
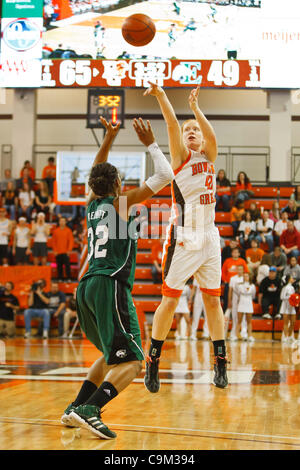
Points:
[(192, 246)]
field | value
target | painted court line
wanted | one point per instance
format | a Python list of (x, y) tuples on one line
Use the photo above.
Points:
[(163, 428)]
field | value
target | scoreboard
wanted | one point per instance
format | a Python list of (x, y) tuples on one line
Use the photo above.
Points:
[(106, 103)]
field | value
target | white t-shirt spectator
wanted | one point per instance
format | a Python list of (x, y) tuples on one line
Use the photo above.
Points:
[(269, 224), (40, 235), (25, 197), (4, 232), (297, 224), (22, 237), (280, 226), (244, 225)]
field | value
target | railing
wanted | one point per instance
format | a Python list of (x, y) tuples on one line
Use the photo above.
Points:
[(295, 176)]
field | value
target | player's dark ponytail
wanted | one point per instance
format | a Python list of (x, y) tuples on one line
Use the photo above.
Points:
[(103, 178)]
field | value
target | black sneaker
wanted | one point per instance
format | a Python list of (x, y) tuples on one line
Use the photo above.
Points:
[(220, 379), (151, 379)]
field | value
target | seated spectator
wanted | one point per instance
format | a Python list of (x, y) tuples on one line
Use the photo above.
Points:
[(237, 213), (229, 269), (25, 201), (243, 188), (227, 250), (9, 305), (5, 231), (24, 179), (264, 268), (254, 211), (297, 221), (275, 213), (254, 256), (156, 254), (246, 230), (57, 305), (292, 269), (265, 230), (21, 243), (62, 243), (49, 174), (31, 170), (40, 231), (223, 191), (7, 179), (291, 209), (10, 199), (295, 196), (71, 312), (278, 260), (280, 226), (269, 294), (290, 240), (42, 200), (38, 302)]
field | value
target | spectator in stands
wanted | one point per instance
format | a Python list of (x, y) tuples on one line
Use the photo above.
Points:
[(21, 243), (254, 256), (237, 213), (68, 212), (71, 312), (280, 226), (269, 294), (291, 209), (295, 196), (156, 255), (243, 188), (42, 200), (223, 192), (38, 302), (10, 199), (297, 221), (247, 230), (49, 174), (254, 211), (227, 250), (264, 268), (278, 260), (57, 306), (292, 269), (5, 231), (7, 178), (290, 240), (24, 179), (40, 232), (31, 170), (62, 242), (25, 201), (9, 305), (265, 227), (229, 269), (275, 212)]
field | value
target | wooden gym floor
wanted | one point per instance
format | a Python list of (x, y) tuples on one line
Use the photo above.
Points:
[(259, 409)]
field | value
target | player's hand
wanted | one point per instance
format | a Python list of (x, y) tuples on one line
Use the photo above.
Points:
[(153, 90), (193, 98), (110, 128), (145, 134)]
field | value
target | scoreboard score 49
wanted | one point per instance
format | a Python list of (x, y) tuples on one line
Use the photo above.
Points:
[(108, 103)]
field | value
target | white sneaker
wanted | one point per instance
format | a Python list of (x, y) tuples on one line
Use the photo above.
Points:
[(45, 334), (233, 338), (27, 334), (251, 339), (283, 339), (290, 339), (193, 338), (205, 337), (177, 335), (278, 316), (267, 315)]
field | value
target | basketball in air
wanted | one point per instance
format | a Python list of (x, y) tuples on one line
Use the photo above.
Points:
[(138, 30)]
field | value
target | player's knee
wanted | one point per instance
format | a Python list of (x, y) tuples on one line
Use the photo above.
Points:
[(138, 367), (211, 301), (170, 303)]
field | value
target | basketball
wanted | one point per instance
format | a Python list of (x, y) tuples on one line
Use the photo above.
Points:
[(138, 30)]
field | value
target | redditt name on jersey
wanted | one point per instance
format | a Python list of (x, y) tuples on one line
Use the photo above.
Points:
[(99, 214)]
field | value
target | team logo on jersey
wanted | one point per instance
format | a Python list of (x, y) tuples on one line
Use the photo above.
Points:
[(121, 353), (21, 34)]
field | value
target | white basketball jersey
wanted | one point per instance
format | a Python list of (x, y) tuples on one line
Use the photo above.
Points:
[(193, 197)]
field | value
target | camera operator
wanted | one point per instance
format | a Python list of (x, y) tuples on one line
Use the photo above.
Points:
[(9, 304), (38, 307)]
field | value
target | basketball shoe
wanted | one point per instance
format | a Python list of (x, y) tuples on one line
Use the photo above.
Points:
[(151, 379), (220, 379), (89, 417), (67, 419)]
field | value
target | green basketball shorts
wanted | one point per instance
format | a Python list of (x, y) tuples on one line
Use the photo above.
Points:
[(108, 317)]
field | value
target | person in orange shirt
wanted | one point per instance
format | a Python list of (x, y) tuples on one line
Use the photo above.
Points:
[(156, 253), (49, 174), (62, 243), (229, 269), (236, 215), (243, 187), (254, 256), (31, 170)]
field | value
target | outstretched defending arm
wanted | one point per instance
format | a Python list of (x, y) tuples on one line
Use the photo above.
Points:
[(209, 136), (178, 150)]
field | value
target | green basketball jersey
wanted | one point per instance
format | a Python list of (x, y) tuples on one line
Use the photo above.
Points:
[(112, 242)]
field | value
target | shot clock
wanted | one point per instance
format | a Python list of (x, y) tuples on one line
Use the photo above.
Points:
[(108, 103)]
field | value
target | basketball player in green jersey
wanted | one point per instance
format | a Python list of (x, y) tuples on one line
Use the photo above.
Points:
[(104, 303)]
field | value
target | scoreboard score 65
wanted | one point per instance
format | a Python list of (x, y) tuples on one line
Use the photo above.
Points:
[(108, 103)]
